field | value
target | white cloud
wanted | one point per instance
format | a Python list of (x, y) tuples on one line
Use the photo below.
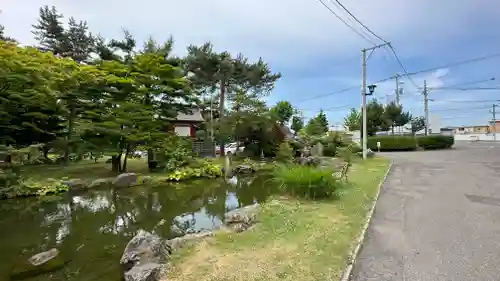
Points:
[(283, 31)]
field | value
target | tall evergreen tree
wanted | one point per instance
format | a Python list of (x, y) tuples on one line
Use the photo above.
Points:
[(50, 32)]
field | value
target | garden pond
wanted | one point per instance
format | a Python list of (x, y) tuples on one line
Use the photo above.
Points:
[(90, 230)]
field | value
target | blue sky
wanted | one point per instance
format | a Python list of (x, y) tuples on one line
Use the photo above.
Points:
[(313, 50)]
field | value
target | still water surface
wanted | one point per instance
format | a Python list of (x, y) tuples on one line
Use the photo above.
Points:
[(92, 229)]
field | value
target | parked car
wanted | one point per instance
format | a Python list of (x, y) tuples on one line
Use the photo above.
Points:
[(230, 148)]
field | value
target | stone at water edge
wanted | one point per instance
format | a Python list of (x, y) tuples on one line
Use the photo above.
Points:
[(243, 218), (244, 169), (75, 184), (180, 242), (41, 263), (100, 182), (144, 257), (125, 179), (43, 257)]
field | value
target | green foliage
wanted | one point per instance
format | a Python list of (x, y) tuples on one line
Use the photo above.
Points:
[(376, 118), (353, 120), (435, 142), (408, 143), (251, 163), (174, 152), (30, 187), (206, 170), (297, 124), (417, 124), (318, 125), (124, 99), (285, 153), (306, 181), (392, 143), (283, 111)]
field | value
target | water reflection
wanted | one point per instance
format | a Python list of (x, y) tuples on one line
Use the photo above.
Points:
[(92, 229)]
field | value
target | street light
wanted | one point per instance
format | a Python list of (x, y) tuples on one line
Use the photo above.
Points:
[(371, 89)]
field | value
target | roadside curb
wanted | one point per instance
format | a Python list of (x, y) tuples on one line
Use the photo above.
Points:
[(359, 242)]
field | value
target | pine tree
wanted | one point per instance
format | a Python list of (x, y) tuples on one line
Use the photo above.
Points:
[(49, 31), (80, 41)]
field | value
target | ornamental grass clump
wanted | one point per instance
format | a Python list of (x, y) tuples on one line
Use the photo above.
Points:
[(306, 181)]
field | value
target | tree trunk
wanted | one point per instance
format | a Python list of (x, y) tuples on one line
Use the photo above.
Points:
[(45, 151), (124, 166), (70, 133), (116, 163)]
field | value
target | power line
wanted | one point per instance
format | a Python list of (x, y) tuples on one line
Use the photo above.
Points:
[(466, 83), (381, 39), (363, 25), (467, 101), (403, 67), (468, 89), (463, 108), (344, 22), (450, 65)]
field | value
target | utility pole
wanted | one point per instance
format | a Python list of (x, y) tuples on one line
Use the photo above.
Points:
[(426, 108), (364, 133), (493, 111), (397, 89)]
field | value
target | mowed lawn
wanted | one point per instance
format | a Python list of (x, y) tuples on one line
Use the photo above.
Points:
[(294, 240), (86, 170)]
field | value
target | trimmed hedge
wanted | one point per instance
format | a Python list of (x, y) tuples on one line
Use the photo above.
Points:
[(410, 143), (435, 142)]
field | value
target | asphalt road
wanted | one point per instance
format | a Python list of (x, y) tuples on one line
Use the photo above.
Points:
[(437, 218)]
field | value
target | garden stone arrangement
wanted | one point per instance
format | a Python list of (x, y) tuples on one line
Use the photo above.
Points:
[(146, 256)]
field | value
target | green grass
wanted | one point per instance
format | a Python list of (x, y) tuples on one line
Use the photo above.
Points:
[(86, 170), (295, 239), (306, 181)]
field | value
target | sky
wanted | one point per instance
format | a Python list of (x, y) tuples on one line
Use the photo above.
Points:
[(315, 52)]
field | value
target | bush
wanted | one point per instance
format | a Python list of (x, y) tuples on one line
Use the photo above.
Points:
[(435, 142), (306, 181), (284, 153), (206, 169), (392, 143), (330, 150)]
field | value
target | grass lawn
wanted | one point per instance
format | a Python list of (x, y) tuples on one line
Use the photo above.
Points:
[(86, 170), (295, 239)]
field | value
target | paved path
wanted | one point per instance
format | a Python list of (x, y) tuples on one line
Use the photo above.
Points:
[(437, 218)]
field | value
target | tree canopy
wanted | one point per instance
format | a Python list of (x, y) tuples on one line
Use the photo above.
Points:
[(83, 92)]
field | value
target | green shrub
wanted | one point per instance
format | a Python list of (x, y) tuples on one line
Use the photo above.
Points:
[(392, 143), (306, 181), (204, 170), (330, 150), (435, 142), (284, 153)]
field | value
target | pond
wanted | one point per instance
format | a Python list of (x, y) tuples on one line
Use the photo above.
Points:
[(92, 229)]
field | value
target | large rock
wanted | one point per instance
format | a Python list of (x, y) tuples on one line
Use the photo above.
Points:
[(41, 263), (144, 257), (180, 242), (244, 169), (126, 179), (100, 183), (75, 184), (241, 219), (145, 272)]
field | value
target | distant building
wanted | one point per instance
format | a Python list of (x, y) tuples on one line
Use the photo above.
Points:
[(494, 126), (185, 124), (464, 130)]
